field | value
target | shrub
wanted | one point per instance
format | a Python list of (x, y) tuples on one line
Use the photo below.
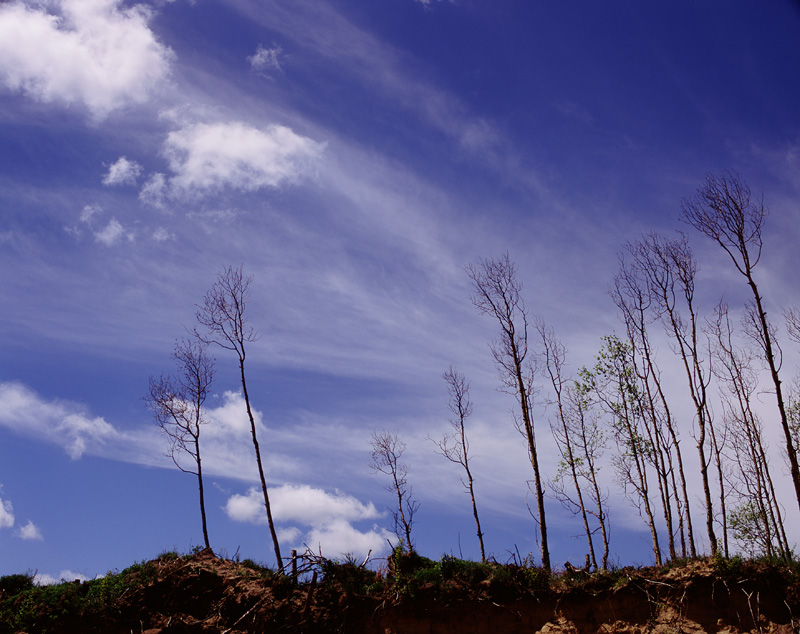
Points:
[(11, 585)]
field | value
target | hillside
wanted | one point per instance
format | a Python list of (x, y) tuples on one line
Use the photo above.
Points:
[(204, 593)]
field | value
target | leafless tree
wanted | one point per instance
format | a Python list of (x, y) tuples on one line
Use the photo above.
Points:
[(569, 430), (725, 210), (498, 294), (588, 441), (385, 458), (758, 518), (638, 309), (455, 446), (223, 322), (177, 404), (670, 268)]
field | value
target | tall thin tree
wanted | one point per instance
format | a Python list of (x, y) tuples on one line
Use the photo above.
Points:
[(498, 293), (554, 356), (638, 310), (669, 268), (455, 446), (177, 404), (759, 515), (725, 210), (223, 322), (386, 458), (614, 383)]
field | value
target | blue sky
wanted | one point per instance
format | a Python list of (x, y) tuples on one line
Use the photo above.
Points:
[(354, 157)]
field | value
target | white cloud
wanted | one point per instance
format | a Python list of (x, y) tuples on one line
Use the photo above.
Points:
[(311, 506), (29, 532), (42, 579), (327, 516), (22, 410), (93, 52), (230, 417), (154, 191), (266, 59), (89, 212), (162, 235), (339, 537), (299, 503), (122, 172), (6, 514), (111, 233), (108, 235), (208, 157)]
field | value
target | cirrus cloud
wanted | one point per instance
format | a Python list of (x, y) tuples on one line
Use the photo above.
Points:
[(93, 52), (265, 60), (64, 423)]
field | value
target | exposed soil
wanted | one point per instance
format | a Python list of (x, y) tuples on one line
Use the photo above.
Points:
[(204, 594)]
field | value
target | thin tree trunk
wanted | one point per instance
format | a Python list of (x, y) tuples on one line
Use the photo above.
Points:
[(202, 496), (267, 506)]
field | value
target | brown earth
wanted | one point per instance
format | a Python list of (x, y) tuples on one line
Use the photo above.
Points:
[(203, 594)]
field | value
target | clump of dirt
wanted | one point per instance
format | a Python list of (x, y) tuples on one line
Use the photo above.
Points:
[(203, 593)]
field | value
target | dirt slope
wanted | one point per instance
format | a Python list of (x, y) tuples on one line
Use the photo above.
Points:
[(203, 594)]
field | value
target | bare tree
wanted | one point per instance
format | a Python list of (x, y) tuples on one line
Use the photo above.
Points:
[(224, 323), (670, 268), (554, 357), (498, 294), (584, 434), (724, 210), (455, 446), (387, 451), (638, 309), (758, 519), (177, 404), (615, 384)]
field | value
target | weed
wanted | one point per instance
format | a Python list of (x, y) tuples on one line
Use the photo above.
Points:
[(169, 555)]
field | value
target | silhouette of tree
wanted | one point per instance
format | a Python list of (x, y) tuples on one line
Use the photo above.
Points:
[(177, 404), (223, 322)]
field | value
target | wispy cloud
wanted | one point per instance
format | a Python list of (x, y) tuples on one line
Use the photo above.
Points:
[(29, 532), (107, 234), (92, 52), (6, 514), (154, 191), (111, 233), (122, 172), (266, 60), (67, 424)]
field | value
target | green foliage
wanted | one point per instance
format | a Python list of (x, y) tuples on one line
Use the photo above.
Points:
[(413, 576), (47, 608), (348, 576), (40, 608), (11, 585), (169, 555), (260, 569), (727, 567)]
